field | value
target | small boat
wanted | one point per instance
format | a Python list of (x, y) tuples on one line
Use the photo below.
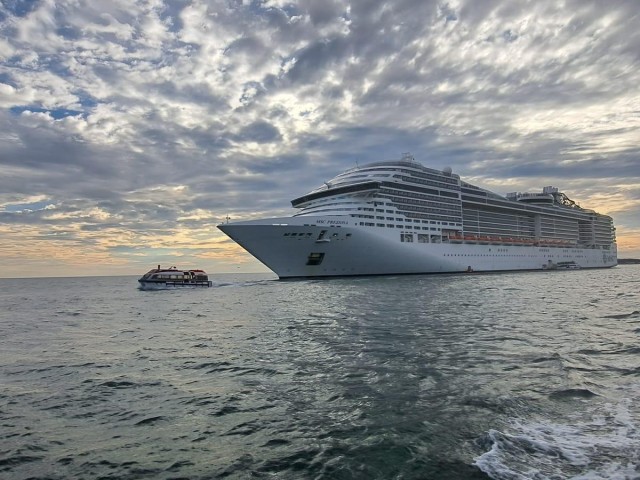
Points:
[(163, 278)]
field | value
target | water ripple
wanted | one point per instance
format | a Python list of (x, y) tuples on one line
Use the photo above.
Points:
[(493, 376)]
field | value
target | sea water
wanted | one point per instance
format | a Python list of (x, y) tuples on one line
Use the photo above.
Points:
[(471, 376)]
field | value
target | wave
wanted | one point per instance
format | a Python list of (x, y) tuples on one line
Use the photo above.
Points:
[(604, 447), (572, 393), (621, 316)]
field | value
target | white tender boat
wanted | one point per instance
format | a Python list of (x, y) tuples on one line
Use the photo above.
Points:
[(164, 278)]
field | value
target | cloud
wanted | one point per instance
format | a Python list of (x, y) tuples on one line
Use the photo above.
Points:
[(260, 132), (148, 121)]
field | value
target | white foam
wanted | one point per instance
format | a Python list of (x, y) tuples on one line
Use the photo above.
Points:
[(600, 443)]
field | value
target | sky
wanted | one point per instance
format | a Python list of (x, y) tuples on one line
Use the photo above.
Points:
[(129, 129)]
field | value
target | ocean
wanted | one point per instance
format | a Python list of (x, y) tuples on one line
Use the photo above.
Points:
[(474, 376)]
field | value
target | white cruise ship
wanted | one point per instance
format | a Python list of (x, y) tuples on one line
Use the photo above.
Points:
[(399, 217)]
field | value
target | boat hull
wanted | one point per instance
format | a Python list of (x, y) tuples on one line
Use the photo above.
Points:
[(297, 247), (145, 285)]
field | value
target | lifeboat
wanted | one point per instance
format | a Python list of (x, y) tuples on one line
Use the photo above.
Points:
[(167, 278)]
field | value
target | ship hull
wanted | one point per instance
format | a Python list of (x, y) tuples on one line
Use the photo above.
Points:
[(295, 247)]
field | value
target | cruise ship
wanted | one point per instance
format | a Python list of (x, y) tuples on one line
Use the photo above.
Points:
[(400, 217)]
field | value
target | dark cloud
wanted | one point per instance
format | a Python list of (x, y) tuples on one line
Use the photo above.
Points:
[(316, 59), (620, 167), (260, 132), (322, 13), (244, 45), (280, 164), (192, 93)]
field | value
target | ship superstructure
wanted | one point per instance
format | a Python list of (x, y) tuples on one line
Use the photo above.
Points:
[(399, 217)]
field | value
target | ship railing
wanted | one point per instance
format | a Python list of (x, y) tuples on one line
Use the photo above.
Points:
[(489, 239), (499, 240)]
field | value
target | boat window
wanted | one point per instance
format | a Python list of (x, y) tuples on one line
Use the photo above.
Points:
[(322, 234)]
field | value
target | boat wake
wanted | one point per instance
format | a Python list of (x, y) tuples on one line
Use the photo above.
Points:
[(605, 446)]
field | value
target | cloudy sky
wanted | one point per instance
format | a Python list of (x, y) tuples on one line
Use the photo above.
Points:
[(130, 128)]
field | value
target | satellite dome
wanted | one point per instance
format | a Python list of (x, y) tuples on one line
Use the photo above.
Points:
[(447, 170)]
